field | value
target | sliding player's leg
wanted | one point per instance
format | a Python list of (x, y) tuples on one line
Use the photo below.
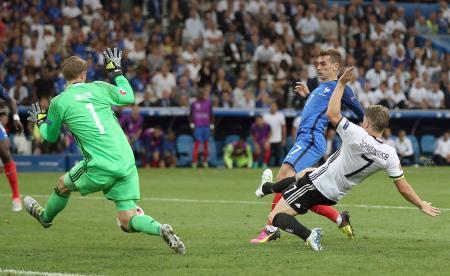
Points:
[(298, 198), (125, 192)]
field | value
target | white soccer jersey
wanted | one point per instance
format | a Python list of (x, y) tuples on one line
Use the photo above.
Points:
[(360, 156)]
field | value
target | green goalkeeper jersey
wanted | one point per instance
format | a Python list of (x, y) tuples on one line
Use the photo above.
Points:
[(85, 108)]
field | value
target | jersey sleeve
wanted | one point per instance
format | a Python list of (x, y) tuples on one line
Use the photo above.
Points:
[(119, 94), (350, 101), (393, 167), (51, 130), (349, 132)]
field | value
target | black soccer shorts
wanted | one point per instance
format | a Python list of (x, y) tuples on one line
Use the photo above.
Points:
[(302, 195)]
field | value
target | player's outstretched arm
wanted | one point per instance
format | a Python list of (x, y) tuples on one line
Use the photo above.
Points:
[(349, 99), (410, 195), (334, 105), (49, 123), (122, 93)]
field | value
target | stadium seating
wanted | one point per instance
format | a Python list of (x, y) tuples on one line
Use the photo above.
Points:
[(185, 145), (416, 148), (427, 144)]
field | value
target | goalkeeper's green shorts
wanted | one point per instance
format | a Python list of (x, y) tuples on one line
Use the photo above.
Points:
[(85, 181)]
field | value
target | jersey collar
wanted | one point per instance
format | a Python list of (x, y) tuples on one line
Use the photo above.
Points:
[(376, 139)]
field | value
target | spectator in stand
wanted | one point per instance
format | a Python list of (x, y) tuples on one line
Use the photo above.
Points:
[(166, 100), (418, 95), (375, 76), (404, 149), (163, 81), (396, 98), (260, 133), (226, 101), (238, 154), (132, 126), (153, 147), (435, 97), (277, 122), (19, 92), (308, 27), (379, 95), (442, 152), (194, 30), (170, 153), (394, 25), (213, 38), (238, 93), (71, 11), (202, 123), (262, 57), (149, 99), (364, 97), (388, 138), (183, 89), (247, 102)]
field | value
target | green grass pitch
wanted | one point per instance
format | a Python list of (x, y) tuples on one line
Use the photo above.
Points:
[(216, 213)]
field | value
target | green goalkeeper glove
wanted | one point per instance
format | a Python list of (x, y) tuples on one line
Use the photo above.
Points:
[(112, 62)]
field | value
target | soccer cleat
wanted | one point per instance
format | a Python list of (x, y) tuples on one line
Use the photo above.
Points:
[(345, 225), (16, 205), (267, 176), (35, 209), (174, 242), (313, 241), (266, 236)]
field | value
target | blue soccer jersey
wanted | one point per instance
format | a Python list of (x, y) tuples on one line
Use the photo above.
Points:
[(311, 144)]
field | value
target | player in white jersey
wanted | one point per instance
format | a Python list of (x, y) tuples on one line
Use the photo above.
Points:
[(362, 154)]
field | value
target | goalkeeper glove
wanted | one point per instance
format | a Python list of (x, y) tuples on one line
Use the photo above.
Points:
[(36, 115), (112, 62)]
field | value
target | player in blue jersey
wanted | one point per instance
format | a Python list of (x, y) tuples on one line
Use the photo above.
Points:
[(5, 154), (310, 144)]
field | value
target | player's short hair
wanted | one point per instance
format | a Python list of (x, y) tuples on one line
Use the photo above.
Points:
[(72, 67), (334, 54), (378, 116)]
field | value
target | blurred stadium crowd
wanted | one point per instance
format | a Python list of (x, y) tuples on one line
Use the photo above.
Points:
[(246, 54)]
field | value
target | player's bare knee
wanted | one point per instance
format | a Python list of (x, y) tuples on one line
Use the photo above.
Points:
[(125, 223), (124, 218), (5, 156), (285, 171), (61, 189)]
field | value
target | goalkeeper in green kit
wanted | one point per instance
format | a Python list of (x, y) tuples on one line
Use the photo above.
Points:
[(108, 163)]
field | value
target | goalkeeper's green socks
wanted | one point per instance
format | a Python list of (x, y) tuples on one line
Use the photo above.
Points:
[(145, 224), (55, 204)]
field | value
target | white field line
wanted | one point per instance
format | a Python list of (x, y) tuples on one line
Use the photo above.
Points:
[(38, 273), (245, 202)]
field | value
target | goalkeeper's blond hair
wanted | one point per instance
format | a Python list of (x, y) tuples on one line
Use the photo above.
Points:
[(73, 67)]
